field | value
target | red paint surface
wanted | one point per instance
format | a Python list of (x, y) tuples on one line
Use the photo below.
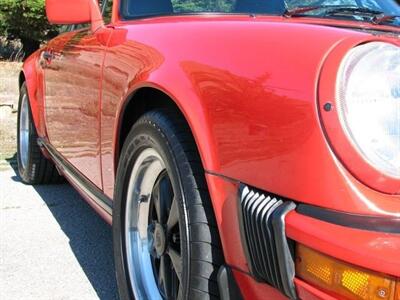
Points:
[(225, 197), (249, 89), (72, 91), (252, 289), (306, 291), (74, 12)]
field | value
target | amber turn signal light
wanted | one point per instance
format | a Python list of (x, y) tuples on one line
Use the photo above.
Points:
[(343, 280)]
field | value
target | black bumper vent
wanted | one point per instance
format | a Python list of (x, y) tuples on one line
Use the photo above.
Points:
[(269, 253)]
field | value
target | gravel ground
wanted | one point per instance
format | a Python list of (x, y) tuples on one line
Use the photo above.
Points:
[(9, 72), (52, 244)]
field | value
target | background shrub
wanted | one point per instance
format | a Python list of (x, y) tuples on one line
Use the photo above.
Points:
[(25, 20)]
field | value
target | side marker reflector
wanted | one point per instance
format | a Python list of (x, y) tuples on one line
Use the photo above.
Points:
[(343, 280)]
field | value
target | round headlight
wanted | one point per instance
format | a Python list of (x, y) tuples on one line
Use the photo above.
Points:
[(368, 100)]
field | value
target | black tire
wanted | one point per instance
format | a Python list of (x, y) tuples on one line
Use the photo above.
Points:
[(37, 169), (168, 133)]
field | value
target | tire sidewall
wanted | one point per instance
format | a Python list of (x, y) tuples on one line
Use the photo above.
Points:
[(146, 135)]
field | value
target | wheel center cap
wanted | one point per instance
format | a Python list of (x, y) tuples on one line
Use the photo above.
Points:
[(159, 239)]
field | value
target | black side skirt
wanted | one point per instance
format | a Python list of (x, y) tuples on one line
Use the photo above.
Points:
[(81, 181)]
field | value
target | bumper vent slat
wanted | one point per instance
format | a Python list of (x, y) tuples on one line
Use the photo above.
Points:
[(269, 253)]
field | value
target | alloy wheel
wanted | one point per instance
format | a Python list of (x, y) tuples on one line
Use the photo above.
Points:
[(152, 230), (24, 132)]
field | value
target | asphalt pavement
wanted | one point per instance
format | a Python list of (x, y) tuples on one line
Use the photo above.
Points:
[(52, 244)]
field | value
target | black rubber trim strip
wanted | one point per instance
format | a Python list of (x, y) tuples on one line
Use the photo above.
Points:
[(242, 233), (226, 178), (363, 222), (284, 249), (227, 286), (85, 184)]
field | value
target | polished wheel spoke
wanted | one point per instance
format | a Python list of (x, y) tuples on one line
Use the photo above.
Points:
[(150, 229), (164, 277), (180, 293), (176, 260), (175, 285), (152, 249), (173, 217), (157, 202), (164, 221), (162, 198)]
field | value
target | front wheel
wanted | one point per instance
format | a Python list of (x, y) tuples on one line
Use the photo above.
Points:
[(166, 242)]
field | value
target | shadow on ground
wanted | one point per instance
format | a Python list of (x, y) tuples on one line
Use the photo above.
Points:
[(12, 161), (89, 236)]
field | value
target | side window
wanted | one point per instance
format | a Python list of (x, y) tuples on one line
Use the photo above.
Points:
[(106, 8), (65, 28), (372, 4), (80, 26), (299, 3), (188, 6)]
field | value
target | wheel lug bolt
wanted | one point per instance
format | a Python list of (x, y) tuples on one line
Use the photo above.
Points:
[(176, 238)]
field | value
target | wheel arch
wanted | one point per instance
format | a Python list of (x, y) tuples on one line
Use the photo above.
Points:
[(21, 78), (29, 76), (148, 97)]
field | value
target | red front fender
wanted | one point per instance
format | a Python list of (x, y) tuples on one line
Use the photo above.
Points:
[(33, 75)]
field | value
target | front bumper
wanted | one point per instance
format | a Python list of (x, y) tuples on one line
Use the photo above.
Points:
[(373, 250), (370, 249)]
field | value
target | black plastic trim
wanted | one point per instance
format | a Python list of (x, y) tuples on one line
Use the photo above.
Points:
[(242, 231), (270, 255), (227, 286), (285, 257), (84, 184), (363, 222)]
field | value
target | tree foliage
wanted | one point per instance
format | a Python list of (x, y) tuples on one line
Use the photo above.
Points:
[(25, 20)]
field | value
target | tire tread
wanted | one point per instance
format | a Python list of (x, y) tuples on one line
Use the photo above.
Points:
[(199, 207), (206, 255)]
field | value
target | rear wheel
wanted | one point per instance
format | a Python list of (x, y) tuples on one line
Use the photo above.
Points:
[(33, 167), (166, 242)]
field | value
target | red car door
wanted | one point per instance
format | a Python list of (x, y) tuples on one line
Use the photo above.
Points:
[(72, 73)]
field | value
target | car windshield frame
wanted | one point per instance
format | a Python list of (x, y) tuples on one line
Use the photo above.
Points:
[(387, 4)]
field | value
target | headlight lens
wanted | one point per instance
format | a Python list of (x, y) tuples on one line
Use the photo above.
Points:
[(368, 100)]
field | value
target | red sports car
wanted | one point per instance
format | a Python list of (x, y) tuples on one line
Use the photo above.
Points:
[(241, 149)]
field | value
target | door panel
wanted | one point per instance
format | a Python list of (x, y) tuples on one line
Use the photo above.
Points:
[(72, 100), (127, 61)]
